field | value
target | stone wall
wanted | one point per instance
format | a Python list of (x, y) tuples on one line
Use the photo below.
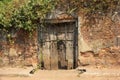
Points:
[(97, 39), (100, 33), (19, 49)]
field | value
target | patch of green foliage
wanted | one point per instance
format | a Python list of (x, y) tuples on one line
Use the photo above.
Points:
[(24, 16)]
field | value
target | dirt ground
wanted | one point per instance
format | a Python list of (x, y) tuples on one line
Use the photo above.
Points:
[(90, 74), (106, 66)]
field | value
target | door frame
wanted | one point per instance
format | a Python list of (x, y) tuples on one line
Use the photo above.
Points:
[(75, 44)]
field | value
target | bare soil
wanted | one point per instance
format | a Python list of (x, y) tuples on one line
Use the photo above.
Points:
[(90, 74)]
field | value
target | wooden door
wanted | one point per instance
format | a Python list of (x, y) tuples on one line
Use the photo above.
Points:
[(59, 45)]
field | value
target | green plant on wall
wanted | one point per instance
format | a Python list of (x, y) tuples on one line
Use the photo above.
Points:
[(10, 40), (24, 16), (30, 14)]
